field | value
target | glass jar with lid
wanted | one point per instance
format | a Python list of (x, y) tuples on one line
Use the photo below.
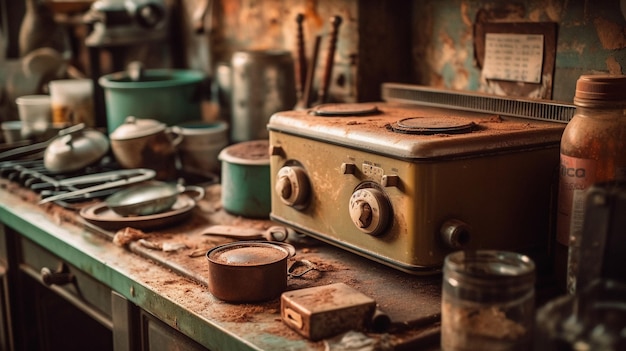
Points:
[(487, 301)]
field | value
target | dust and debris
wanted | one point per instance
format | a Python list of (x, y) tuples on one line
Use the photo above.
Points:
[(492, 119), (173, 246), (250, 150), (183, 279), (150, 244), (127, 235), (248, 312)]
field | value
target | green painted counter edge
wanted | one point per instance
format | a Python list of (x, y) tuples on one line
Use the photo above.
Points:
[(70, 243)]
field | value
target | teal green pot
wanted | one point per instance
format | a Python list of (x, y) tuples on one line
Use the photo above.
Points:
[(245, 179), (169, 96)]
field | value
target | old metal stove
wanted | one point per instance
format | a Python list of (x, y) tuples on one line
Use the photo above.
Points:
[(404, 183)]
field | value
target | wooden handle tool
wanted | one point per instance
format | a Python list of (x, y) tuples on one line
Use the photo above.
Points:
[(328, 69), (301, 56)]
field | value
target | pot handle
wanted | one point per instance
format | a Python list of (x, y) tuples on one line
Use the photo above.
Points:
[(71, 129), (290, 248), (306, 265), (286, 246), (193, 189), (175, 136), (68, 140), (67, 134)]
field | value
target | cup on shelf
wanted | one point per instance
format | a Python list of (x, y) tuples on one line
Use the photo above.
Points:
[(201, 143), (72, 101), (35, 113), (11, 131)]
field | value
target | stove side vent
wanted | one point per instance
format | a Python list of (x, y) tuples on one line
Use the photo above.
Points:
[(468, 101)]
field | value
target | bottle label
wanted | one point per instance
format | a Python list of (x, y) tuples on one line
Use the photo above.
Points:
[(576, 176)]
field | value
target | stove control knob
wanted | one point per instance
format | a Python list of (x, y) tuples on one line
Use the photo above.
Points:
[(390, 180), (276, 150), (292, 186), (370, 210), (455, 233), (348, 168)]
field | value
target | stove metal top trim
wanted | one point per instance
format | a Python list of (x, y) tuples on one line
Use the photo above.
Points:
[(373, 134), (478, 102)]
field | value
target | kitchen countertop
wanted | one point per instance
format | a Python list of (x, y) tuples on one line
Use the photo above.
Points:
[(172, 285)]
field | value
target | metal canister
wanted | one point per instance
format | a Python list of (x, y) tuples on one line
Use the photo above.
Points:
[(487, 301), (263, 82)]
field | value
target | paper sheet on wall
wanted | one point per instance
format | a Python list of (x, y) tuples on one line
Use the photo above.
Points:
[(513, 57)]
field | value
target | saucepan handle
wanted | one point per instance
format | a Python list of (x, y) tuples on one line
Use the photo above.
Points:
[(175, 134), (199, 191), (299, 268)]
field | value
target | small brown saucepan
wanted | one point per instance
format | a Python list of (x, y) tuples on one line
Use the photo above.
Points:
[(248, 271)]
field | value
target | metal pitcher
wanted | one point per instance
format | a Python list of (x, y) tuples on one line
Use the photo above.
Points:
[(263, 82)]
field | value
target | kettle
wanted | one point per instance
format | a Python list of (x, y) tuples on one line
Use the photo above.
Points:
[(124, 22), (146, 143)]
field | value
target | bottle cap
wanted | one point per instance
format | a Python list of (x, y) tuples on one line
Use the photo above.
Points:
[(600, 88)]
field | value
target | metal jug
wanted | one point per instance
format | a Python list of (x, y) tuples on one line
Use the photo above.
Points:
[(263, 82)]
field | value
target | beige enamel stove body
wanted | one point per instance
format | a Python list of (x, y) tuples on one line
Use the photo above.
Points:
[(355, 177)]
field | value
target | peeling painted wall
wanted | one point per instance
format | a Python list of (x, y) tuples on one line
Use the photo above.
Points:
[(591, 38), (440, 50), (271, 24)]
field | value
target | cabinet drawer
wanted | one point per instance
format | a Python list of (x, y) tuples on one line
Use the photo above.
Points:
[(81, 289), (157, 336), (4, 255)]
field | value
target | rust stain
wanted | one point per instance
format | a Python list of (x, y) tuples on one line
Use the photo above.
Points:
[(231, 8), (436, 80), (446, 39), (312, 15), (465, 8), (613, 65), (501, 13), (554, 10), (611, 35)]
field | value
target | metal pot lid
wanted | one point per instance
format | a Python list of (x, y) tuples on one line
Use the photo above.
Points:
[(144, 199), (250, 253), (143, 193), (134, 127), (75, 150)]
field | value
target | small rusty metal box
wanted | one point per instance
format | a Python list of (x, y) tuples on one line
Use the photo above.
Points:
[(324, 311)]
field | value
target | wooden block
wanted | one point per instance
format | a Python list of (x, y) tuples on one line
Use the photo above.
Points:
[(323, 311)]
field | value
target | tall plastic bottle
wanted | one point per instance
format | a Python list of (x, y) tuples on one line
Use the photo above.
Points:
[(593, 150)]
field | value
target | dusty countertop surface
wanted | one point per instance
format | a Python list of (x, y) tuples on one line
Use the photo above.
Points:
[(166, 274)]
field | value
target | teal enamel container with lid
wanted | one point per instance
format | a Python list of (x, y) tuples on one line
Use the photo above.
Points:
[(245, 179)]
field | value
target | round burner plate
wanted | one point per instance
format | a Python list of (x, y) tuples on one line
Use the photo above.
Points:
[(345, 110), (433, 125)]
